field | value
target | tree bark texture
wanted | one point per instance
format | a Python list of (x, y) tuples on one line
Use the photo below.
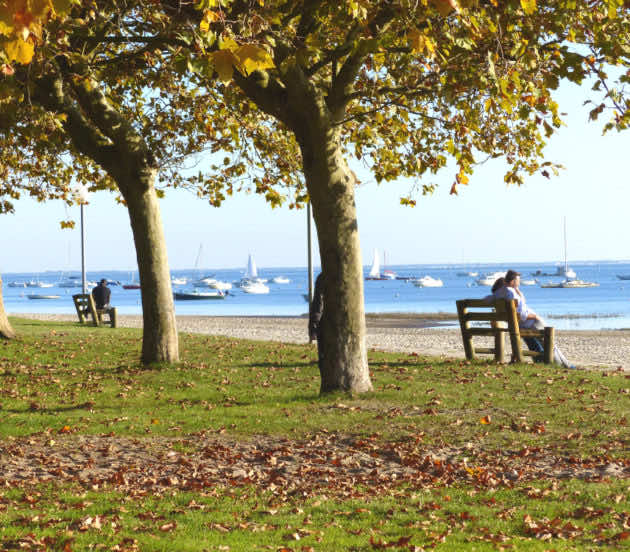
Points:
[(330, 184), (6, 331), (159, 339)]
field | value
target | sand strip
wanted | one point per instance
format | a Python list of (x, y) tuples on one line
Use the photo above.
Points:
[(605, 349)]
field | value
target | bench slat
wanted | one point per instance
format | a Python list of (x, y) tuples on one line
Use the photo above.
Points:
[(502, 310)]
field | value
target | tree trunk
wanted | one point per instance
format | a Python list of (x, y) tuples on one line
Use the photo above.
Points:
[(6, 331), (331, 183), (159, 340)]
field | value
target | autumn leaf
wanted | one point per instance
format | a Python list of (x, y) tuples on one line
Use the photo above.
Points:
[(485, 420), (529, 6), (19, 50), (254, 58), (445, 6), (224, 62)]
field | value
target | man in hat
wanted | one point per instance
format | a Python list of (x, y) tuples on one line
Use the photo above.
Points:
[(101, 294)]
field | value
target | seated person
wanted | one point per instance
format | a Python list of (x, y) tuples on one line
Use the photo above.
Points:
[(101, 294), (527, 318)]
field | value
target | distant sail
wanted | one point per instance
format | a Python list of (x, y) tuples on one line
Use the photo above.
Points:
[(375, 271), (251, 271)]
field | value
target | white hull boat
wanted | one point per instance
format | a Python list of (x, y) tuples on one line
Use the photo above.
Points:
[(428, 281), (254, 287), (41, 296), (280, 280), (490, 279), (570, 284)]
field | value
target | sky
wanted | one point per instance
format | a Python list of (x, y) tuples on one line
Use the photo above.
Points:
[(488, 222)]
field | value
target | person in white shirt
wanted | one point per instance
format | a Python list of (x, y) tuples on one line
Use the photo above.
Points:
[(527, 318)]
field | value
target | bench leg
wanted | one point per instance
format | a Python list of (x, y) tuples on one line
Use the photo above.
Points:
[(113, 317), (549, 344)]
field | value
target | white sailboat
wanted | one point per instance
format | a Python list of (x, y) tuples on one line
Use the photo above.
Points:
[(375, 269), (250, 282)]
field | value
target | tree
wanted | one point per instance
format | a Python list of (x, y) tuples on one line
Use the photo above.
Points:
[(6, 331), (111, 119), (402, 86)]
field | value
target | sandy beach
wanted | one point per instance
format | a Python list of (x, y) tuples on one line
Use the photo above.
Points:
[(432, 335)]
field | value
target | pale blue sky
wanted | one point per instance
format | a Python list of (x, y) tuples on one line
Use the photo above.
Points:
[(487, 222)]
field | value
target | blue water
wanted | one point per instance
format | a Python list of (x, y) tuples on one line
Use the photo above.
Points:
[(603, 307)]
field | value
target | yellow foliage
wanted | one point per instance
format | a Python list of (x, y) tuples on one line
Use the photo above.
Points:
[(445, 6), (529, 6), (254, 58), (19, 50), (209, 17), (224, 62)]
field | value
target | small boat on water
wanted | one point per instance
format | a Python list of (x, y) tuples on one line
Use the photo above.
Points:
[(131, 286), (179, 281), (280, 280), (428, 281), (41, 296), (569, 284), (530, 282), (375, 270), (17, 284), (490, 279), (255, 287), (470, 274), (196, 295)]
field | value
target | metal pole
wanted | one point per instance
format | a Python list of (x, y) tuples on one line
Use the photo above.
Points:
[(83, 280), (310, 252)]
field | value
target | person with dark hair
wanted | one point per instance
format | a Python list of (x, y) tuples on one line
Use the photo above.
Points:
[(527, 318), (101, 294), (315, 313)]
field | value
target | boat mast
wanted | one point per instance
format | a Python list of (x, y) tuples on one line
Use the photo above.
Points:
[(566, 266)]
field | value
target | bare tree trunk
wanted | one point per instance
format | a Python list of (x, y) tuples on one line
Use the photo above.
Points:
[(331, 188), (159, 340), (6, 331)]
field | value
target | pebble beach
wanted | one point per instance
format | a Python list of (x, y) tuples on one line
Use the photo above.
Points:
[(422, 334)]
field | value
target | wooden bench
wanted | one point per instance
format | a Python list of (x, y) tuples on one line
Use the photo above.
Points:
[(84, 303), (495, 318)]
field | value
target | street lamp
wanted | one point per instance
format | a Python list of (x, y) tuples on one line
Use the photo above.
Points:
[(82, 196), (309, 249)]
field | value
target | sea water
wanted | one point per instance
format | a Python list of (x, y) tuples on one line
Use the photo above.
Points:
[(604, 307)]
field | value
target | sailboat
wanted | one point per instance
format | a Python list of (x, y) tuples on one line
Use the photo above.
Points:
[(570, 280), (375, 270), (250, 282)]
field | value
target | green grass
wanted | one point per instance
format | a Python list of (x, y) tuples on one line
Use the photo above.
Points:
[(59, 381)]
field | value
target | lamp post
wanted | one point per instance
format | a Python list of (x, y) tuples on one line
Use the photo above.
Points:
[(309, 253), (82, 195)]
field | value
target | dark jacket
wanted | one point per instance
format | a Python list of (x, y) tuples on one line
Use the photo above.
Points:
[(101, 294), (317, 308)]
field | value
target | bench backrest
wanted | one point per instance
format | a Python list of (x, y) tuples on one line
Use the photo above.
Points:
[(495, 318)]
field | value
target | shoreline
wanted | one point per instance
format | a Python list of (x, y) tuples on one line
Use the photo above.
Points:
[(430, 335)]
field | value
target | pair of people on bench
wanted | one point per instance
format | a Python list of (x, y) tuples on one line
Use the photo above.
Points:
[(509, 288)]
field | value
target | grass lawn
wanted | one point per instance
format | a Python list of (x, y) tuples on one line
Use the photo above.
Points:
[(234, 449)]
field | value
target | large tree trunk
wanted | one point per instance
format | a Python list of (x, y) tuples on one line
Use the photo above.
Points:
[(159, 340), (6, 331), (331, 183)]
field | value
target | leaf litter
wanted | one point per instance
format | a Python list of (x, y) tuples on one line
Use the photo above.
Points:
[(340, 465)]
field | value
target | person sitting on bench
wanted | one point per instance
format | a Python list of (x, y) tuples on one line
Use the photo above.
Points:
[(101, 294), (527, 318)]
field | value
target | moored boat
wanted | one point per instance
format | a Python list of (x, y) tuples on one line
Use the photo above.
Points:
[(428, 281), (196, 295), (42, 296)]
